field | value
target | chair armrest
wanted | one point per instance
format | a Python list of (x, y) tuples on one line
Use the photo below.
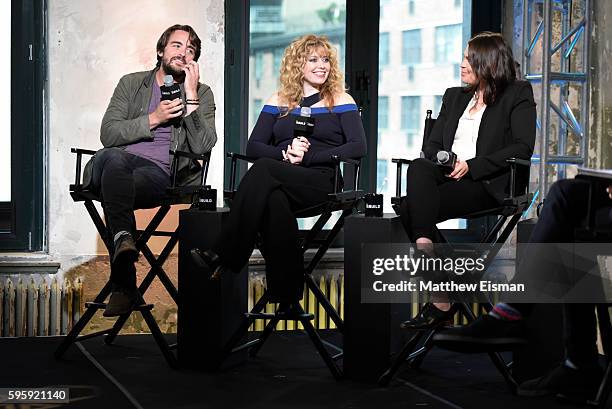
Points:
[(238, 156), (79, 159), (204, 157), (336, 159), (401, 161), (517, 161), (194, 156), (82, 151)]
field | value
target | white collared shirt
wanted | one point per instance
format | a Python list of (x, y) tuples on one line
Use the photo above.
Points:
[(464, 144)]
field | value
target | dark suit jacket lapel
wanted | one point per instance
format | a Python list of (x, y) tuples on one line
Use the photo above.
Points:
[(463, 99), (482, 137)]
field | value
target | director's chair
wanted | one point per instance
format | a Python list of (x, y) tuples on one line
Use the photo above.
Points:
[(508, 214), (174, 195), (343, 200)]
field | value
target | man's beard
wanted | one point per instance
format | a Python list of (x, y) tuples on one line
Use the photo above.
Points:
[(171, 70)]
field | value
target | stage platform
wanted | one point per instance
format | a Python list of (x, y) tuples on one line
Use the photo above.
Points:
[(288, 373)]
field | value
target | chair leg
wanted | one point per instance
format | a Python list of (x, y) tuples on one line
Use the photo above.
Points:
[(496, 358), (318, 343), (159, 338), (416, 358), (74, 333), (242, 330), (399, 360), (324, 301), (269, 328), (604, 389)]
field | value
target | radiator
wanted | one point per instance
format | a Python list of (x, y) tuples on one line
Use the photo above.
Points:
[(332, 285), (35, 306)]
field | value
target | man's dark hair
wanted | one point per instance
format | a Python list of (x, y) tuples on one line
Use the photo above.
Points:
[(193, 38), (492, 62)]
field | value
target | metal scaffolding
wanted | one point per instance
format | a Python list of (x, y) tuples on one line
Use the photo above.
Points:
[(556, 60)]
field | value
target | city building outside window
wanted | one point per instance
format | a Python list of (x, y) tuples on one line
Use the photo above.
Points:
[(448, 44), (411, 47), (383, 112)]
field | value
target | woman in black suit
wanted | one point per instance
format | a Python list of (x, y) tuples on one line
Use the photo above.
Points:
[(491, 119)]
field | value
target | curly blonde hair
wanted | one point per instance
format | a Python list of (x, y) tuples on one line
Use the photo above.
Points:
[(291, 89)]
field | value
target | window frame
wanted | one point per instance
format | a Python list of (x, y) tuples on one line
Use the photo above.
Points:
[(28, 139)]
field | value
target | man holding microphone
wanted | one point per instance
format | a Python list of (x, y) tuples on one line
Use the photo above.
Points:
[(150, 113)]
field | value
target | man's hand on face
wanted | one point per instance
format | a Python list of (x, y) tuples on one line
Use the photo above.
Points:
[(192, 77), (165, 111)]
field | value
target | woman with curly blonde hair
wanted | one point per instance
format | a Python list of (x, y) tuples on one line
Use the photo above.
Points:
[(290, 173)]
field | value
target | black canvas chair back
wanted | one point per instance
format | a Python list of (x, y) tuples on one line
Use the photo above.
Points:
[(174, 195), (507, 217), (343, 200)]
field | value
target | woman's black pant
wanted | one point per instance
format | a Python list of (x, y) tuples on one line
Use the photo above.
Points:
[(432, 197), (267, 199)]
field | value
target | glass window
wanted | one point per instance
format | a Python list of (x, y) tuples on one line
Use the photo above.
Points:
[(259, 66), (448, 44), (383, 112), (381, 175), (383, 49), (411, 109), (437, 105), (408, 89), (257, 106), (278, 56), (411, 47), (5, 107), (274, 24)]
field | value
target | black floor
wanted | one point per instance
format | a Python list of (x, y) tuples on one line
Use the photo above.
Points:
[(287, 374)]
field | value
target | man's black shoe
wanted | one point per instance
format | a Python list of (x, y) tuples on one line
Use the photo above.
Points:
[(485, 334), (429, 317), (125, 250), (122, 301), (577, 385)]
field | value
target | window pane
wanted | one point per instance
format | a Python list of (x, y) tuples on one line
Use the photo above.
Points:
[(5, 106), (383, 50), (383, 112), (421, 45), (411, 47), (381, 175), (448, 44)]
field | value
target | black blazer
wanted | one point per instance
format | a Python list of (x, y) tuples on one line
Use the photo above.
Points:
[(507, 130)]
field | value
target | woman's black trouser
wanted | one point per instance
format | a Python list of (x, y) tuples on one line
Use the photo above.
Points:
[(432, 197), (564, 210), (126, 182), (267, 199)]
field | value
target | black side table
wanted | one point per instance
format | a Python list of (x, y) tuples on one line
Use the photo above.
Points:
[(209, 311), (372, 332)]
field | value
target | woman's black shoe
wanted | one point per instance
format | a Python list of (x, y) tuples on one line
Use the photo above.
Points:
[(429, 317), (208, 261)]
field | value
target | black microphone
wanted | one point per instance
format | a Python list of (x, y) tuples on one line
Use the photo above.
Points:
[(446, 159), (170, 90), (304, 123)]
